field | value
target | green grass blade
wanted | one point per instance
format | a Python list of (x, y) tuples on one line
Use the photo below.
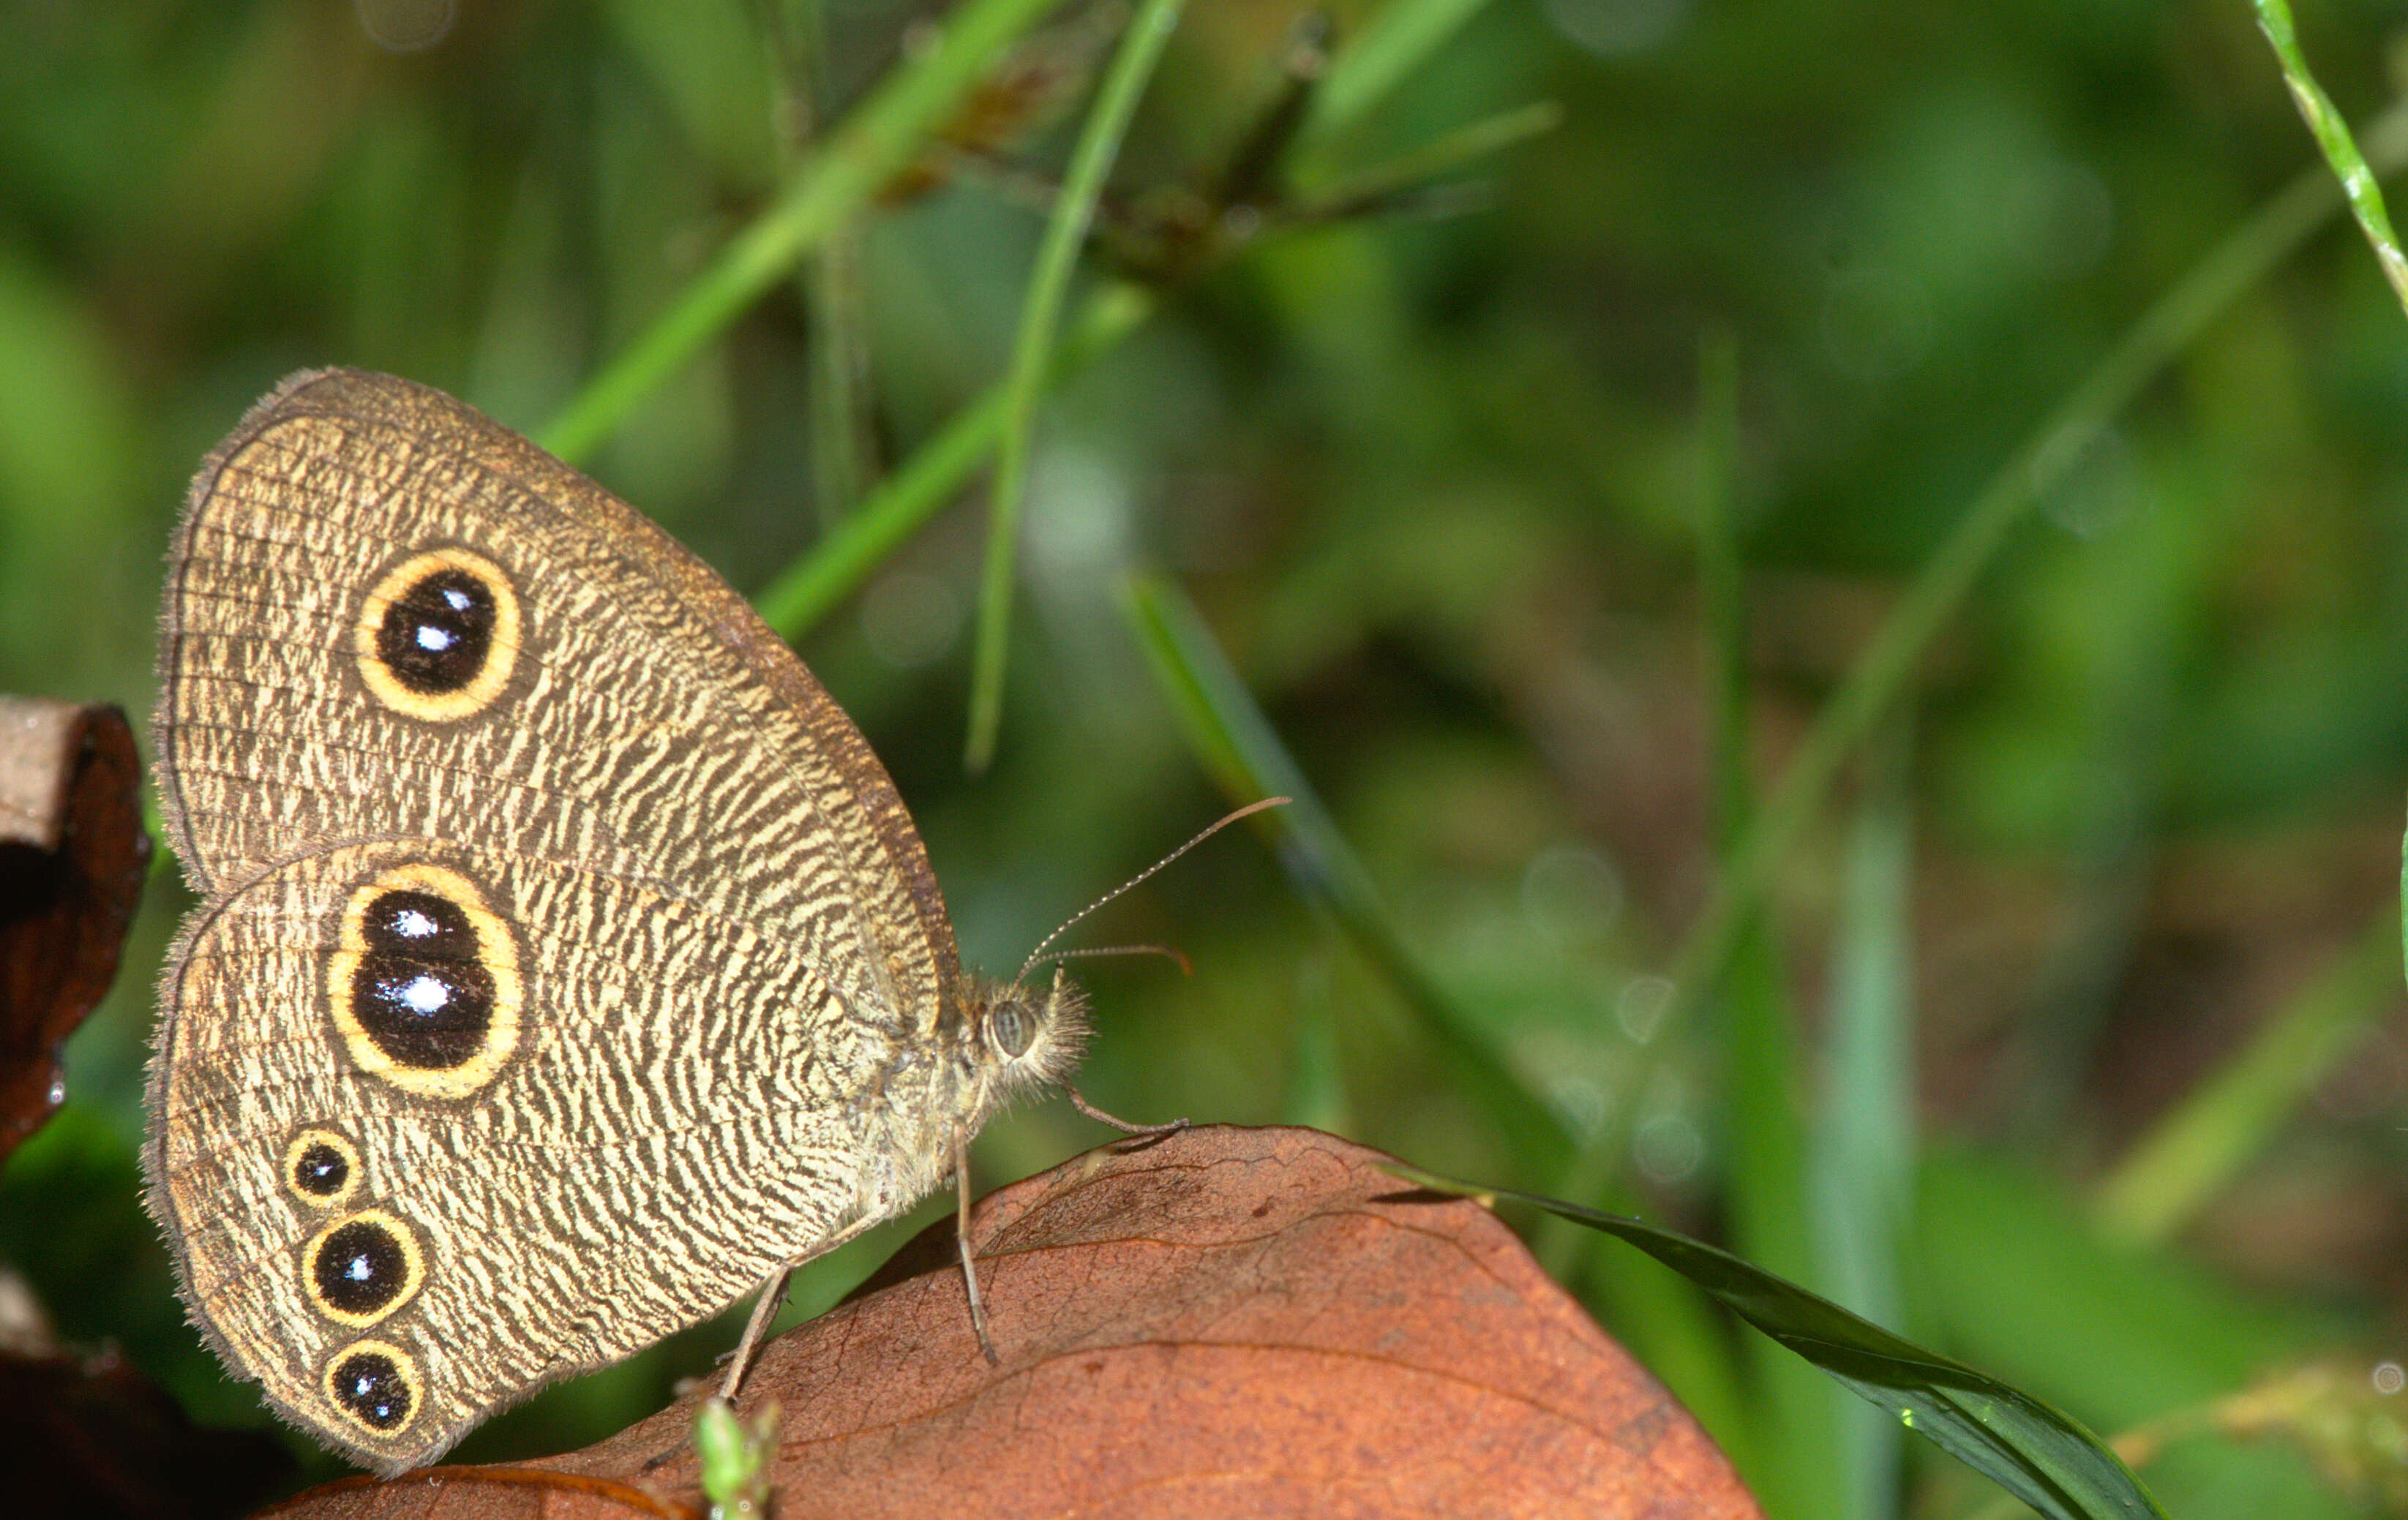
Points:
[(1317, 1082), (1861, 1152), (808, 590), (875, 143), (1057, 258), (1800, 1476), (1796, 1458), (794, 35), (1880, 671), (1238, 747), (2332, 135), (838, 397), (1443, 155), (1721, 585), (2189, 1155), (2036, 1452), (1368, 70), (1663, 1319)]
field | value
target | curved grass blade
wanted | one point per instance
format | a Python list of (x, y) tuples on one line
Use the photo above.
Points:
[(2035, 1451), (1237, 745), (1879, 672), (1800, 1468), (1392, 46), (2332, 134), (2192, 1153), (810, 588), (1058, 257), (1390, 184), (876, 142)]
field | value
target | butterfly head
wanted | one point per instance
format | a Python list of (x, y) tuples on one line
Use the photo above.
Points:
[(1017, 1040)]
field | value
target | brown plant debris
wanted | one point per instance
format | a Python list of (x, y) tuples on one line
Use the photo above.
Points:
[(72, 856), (1226, 1322)]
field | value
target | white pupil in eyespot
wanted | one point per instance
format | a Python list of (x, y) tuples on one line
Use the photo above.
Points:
[(359, 1270), (411, 924), (433, 639), (426, 994), (456, 598)]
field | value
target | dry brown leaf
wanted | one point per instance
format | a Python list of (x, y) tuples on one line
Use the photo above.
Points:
[(73, 855), (1226, 1322), (491, 1493)]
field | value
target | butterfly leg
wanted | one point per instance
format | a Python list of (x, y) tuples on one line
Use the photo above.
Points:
[(773, 1294), (1150, 1131), (962, 1238)]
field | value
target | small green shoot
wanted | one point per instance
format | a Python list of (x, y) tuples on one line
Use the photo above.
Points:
[(735, 1459)]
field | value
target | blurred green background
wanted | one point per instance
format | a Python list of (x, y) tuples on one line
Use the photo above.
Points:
[(1541, 507)]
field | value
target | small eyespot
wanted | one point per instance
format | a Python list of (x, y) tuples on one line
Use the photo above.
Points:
[(424, 983), (375, 1385), (362, 1268), (437, 637), (1010, 1027), (322, 1168)]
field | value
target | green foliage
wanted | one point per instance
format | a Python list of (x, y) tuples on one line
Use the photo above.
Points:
[(2039, 1454), (1991, 933)]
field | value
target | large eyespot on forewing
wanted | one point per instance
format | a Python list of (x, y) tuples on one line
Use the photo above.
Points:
[(438, 637)]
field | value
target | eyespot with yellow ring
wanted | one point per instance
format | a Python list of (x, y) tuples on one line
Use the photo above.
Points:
[(437, 637), (322, 1168), (373, 1384), (425, 982), (361, 1268)]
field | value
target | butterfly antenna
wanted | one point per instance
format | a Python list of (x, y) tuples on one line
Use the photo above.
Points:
[(1169, 951), (1223, 822)]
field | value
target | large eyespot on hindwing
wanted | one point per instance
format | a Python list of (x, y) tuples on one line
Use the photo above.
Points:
[(322, 1168), (362, 1267), (437, 637), (375, 1385), (424, 983)]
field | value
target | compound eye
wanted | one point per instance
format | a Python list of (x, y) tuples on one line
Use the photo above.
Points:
[(1011, 1028)]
